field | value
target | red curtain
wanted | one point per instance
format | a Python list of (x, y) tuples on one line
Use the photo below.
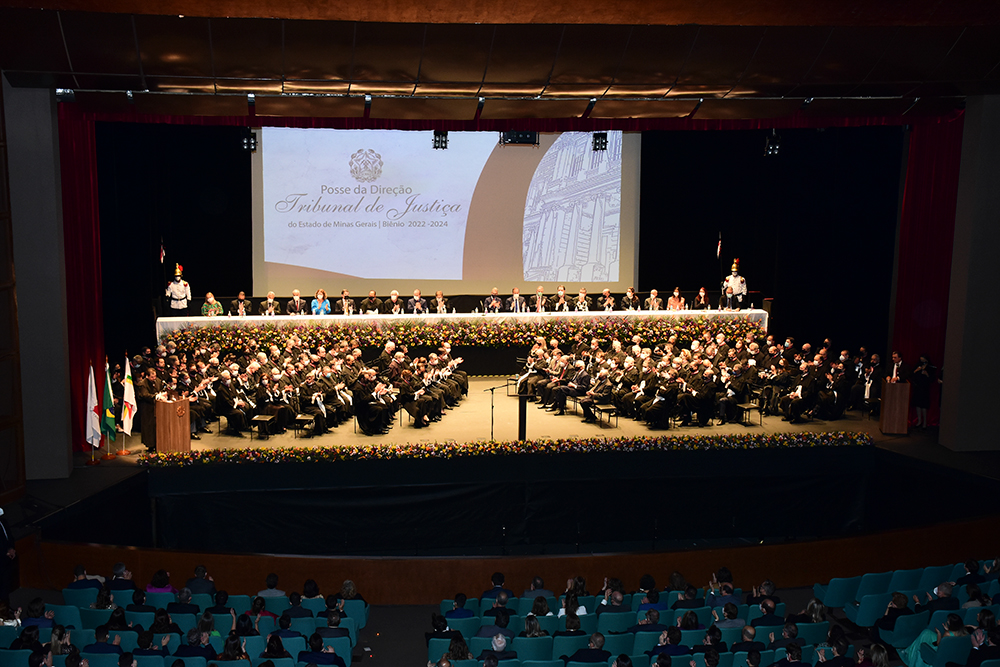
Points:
[(926, 234), (926, 225), (82, 244)]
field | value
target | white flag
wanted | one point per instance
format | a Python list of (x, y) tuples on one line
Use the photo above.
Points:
[(93, 414), (128, 401)]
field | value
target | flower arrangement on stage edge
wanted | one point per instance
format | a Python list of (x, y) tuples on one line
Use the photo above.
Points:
[(447, 450), (493, 333)]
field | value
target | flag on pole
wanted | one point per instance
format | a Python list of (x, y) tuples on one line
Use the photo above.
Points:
[(108, 407), (93, 429), (128, 400), (718, 248), (163, 251)]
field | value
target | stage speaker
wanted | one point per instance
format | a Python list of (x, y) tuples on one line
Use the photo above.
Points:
[(518, 138), (767, 306)]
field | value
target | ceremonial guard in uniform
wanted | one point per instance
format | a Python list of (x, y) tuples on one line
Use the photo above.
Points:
[(738, 283), (179, 293)]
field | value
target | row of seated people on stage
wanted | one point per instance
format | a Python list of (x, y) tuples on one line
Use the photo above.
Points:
[(766, 630), (704, 379), (219, 621), (330, 386), (394, 304)]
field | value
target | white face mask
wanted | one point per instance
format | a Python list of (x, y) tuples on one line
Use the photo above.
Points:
[(676, 294), (211, 299), (177, 279)]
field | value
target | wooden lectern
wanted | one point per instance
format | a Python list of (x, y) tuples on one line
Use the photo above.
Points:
[(895, 415), (173, 426)]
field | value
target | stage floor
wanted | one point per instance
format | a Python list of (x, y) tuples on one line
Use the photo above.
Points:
[(470, 422)]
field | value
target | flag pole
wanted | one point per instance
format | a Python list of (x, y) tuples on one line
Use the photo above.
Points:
[(106, 437), (92, 461), (124, 452), (109, 455)]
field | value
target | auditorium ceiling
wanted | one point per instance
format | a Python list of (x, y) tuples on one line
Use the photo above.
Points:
[(451, 60)]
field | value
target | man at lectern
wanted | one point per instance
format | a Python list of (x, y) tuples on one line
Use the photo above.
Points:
[(899, 372), (146, 391)]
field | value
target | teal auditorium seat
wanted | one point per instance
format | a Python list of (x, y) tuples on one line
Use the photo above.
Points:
[(870, 609), (837, 593), (239, 603), (316, 605), (217, 643), (9, 658), (972, 613), (563, 645), (184, 621), (990, 663), (550, 623), (276, 604), (933, 576), (740, 658), (278, 662), (479, 644), (574, 663), (160, 600), (191, 662), (358, 610), (618, 644), (467, 626), (8, 633), (539, 663), (732, 635), (101, 659), (692, 637), (129, 639), (610, 622), (906, 630), (904, 580), (59, 660), (939, 617), (67, 615), (266, 626), (454, 663), (873, 584), (810, 633), (80, 597), (949, 649), (638, 660), (203, 600), (93, 617), (256, 645), (755, 612), (532, 648), (510, 663), (304, 626), (704, 615), (588, 623), (645, 641), (436, 647), (143, 618), (295, 645), (148, 661)]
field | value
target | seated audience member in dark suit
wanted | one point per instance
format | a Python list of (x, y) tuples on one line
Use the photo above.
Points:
[(80, 580), (789, 635), (614, 605), (500, 602), (765, 591), (197, 646), (711, 642), (284, 627), (793, 657), (296, 610), (971, 575), (183, 604), (499, 626), (649, 624), (333, 628), (498, 580), (497, 652), (987, 647), (669, 644), (144, 644), (139, 603), (944, 600), (724, 595), (319, 654), (689, 599), (593, 653), (221, 602), (458, 609), (101, 644), (652, 601), (201, 583), (839, 658), (747, 641), (898, 606), (27, 640), (121, 579), (439, 625), (769, 618), (538, 588)]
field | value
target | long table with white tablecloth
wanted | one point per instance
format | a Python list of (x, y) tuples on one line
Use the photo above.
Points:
[(165, 326)]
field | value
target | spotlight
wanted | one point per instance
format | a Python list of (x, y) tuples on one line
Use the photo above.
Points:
[(251, 99), (600, 141), (65, 95), (772, 144), (250, 142), (519, 138), (130, 96), (440, 140)]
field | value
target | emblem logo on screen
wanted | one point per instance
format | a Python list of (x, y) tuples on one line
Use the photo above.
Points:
[(366, 165)]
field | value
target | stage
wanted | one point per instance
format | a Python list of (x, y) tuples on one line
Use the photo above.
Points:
[(521, 504)]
